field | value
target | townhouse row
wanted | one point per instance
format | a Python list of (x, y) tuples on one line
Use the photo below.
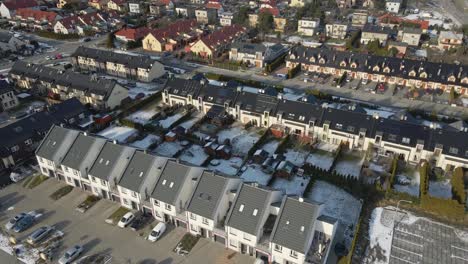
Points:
[(61, 85), (242, 216), (140, 68), (446, 148), (403, 72)]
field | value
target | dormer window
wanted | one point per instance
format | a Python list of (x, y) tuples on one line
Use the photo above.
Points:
[(453, 150), (353, 65), (412, 73), (386, 70), (423, 75), (376, 68), (405, 140), (343, 64), (241, 208), (451, 78)]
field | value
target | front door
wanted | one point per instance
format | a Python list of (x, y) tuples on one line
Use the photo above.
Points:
[(104, 194), (203, 232), (76, 182), (243, 248)]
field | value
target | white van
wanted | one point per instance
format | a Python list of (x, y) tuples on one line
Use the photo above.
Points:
[(157, 232)]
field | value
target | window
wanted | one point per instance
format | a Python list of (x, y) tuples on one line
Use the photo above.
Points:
[(466, 153), (156, 202), (93, 179), (241, 208), (405, 140), (75, 172), (205, 221), (232, 232), (194, 228), (293, 254), (103, 182), (168, 207), (28, 142), (126, 201), (66, 169), (255, 211), (350, 129), (193, 217), (246, 237), (339, 126), (14, 148), (453, 150), (278, 248), (392, 137)]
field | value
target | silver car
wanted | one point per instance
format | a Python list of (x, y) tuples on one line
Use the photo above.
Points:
[(71, 254), (39, 234), (10, 224)]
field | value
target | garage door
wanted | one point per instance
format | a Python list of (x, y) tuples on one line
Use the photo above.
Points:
[(220, 239)]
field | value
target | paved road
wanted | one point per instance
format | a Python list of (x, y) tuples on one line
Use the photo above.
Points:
[(5, 258), (382, 100)]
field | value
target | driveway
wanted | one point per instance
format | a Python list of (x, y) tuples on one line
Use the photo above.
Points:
[(89, 229)]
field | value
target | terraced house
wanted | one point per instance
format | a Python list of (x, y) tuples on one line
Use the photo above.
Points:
[(444, 147), (245, 217), (405, 72), (141, 68), (98, 93)]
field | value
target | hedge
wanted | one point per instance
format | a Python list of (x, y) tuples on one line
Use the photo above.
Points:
[(424, 179), (53, 35), (458, 186), (444, 207), (391, 181), (293, 71), (347, 259), (275, 64)]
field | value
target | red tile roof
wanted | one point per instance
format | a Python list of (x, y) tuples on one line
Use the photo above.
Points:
[(391, 19), (215, 4), (71, 22), (119, 2), (274, 11), (90, 19), (133, 34), (224, 35), (15, 4), (166, 2), (174, 29), (37, 15)]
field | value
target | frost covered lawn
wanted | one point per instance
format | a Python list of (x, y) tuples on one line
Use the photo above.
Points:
[(254, 173), (28, 256), (322, 157), (228, 167), (194, 155), (170, 120), (338, 204), (271, 146), (441, 189), (168, 149), (295, 186), (296, 157), (241, 140), (119, 133), (146, 142), (408, 182), (349, 165), (143, 116)]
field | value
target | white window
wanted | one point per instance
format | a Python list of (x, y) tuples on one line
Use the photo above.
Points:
[(75, 172), (103, 182), (193, 217), (392, 137), (194, 228), (405, 140), (255, 211), (246, 237), (126, 201), (339, 126), (156, 202), (66, 169), (28, 142), (241, 208), (453, 150), (278, 248), (205, 221), (233, 243), (293, 254), (93, 179), (232, 232), (168, 207)]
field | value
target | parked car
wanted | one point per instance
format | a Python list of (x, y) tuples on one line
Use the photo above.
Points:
[(380, 88), (39, 234), (365, 81), (157, 232), (10, 224), (71, 254), (126, 220), (25, 223), (140, 221)]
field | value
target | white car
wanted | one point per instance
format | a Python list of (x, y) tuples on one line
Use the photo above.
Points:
[(126, 220), (71, 254), (157, 232)]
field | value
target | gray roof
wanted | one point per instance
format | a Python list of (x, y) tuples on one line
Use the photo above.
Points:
[(207, 195), (131, 61), (250, 198), (111, 160), (80, 150), (54, 139), (137, 170), (295, 224), (170, 182), (249, 48)]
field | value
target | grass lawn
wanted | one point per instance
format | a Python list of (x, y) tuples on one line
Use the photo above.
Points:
[(26, 181), (188, 242), (35, 181), (87, 203), (61, 192), (115, 216)]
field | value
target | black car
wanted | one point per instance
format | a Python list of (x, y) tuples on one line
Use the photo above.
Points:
[(140, 221)]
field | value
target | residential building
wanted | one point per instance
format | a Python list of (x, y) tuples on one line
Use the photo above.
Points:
[(36, 19), (255, 54), (62, 3), (80, 24), (209, 205), (186, 11), (450, 40), (206, 15), (108, 168), (299, 3), (98, 4), (172, 37), (307, 26), (131, 34), (8, 8), (393, 21), (336, 30), (11, 44), (353, 129), (172, 192), (101, 94), (215, 43), (78, 159), (250, 220), (301, 234), (372, 32), (136, 7), (400, 46), (141, 68), (8, 99), (226, 18), (359, 18), (393, 6), (345, 3), (161, 7), (253, 20), (117, 5), (410, 35)]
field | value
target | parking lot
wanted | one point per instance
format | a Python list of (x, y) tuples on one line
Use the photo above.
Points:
[(90, 230), (427, 242)]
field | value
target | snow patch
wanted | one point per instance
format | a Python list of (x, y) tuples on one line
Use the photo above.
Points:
[(254, 173), (271, 146), (142, 116), (228, 167), (440, 189), (169, 121), (168, 149), (194, 155), (296, 157), (241, 140), (146, 142), (349, 167), (295, 186), (119, 133)]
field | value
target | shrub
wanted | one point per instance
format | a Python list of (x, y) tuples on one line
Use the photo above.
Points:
[(458, 186), (443, 207), (272, 66), (293, 71), (61, 192), (36, 181), (424, 179)]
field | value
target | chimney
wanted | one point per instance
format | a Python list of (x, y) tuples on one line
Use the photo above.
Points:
[(280, 96), (114, 141), (85, 133), (301, 199)]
